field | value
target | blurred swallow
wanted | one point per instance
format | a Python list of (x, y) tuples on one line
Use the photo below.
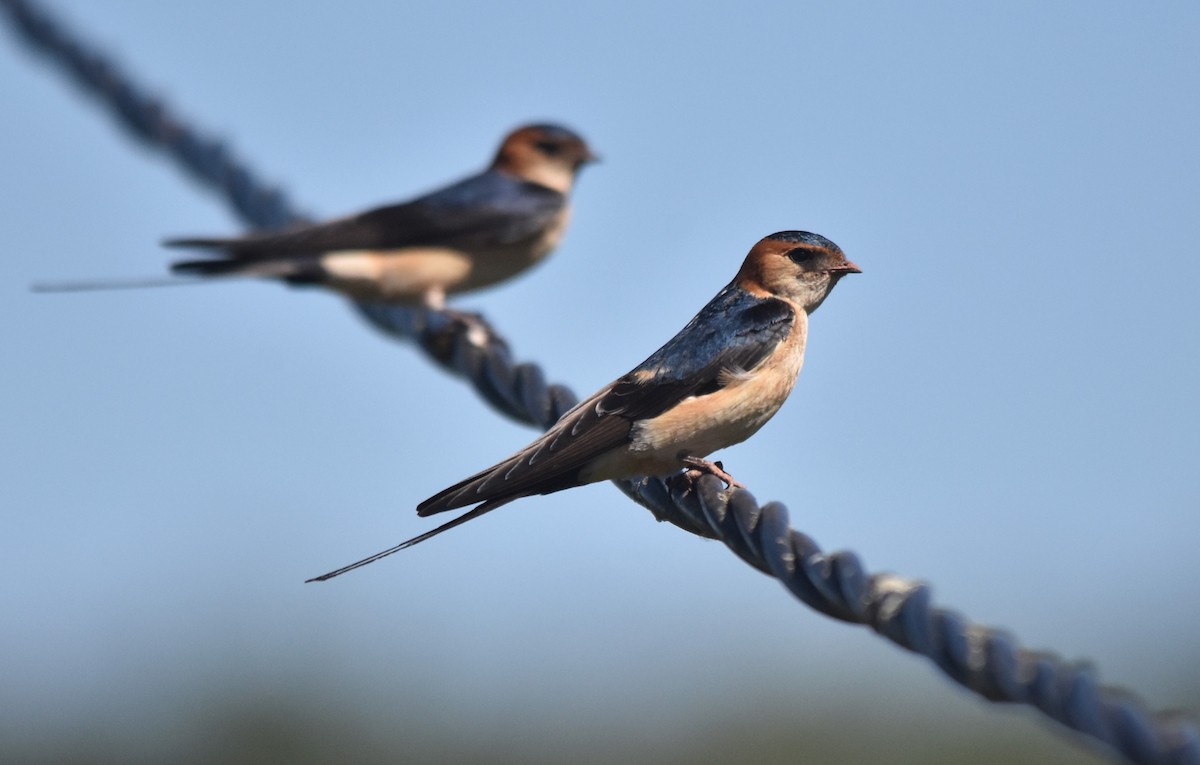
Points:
[(472, 234), (712, 385)]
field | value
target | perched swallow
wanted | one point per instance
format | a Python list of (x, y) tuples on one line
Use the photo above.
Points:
[(712, 385), (482, 230)]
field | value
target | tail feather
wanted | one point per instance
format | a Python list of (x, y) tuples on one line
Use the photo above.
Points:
[(208, 267), (475, 513), (268, 255), (479, 488), (452, 497), (208, 242), (96, 285), (293, 271), (270, 269)]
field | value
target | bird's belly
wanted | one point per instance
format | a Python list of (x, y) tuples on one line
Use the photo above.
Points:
[(403, 276), (699, 426), (413, 274), (500, 262)]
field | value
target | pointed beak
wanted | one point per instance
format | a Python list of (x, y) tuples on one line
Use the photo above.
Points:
[(846, 268), (588, 157)]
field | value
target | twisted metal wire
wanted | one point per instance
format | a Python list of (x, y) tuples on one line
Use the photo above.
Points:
[(982, 659)]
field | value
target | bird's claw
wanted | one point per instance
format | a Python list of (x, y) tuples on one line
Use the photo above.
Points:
[(699, 467)]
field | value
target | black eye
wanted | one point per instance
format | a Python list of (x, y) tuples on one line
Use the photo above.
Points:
[(803, 255), (549, 148)]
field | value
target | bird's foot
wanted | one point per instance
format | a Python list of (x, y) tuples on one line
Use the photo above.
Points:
[(479, 333), (448, 322), (698, 467)]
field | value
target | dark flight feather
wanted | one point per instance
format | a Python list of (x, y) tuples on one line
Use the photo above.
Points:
[(690, 364), (487, 210)]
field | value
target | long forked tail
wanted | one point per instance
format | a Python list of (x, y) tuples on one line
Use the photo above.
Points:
[(280, 268), (203, 242), (190, 272), (484, 508), (97, 285), (241, 257)]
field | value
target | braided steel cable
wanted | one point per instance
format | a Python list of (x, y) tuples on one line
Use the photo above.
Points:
[(151, 120), (984, 660)]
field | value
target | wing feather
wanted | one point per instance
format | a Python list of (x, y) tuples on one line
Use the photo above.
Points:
[(735, 332), (731, 335), (485, 210), (549, 464)]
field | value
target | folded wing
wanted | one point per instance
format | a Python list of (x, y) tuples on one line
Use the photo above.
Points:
[(486, 210), (735, 332)]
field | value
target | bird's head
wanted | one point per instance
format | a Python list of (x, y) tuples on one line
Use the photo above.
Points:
[(795, 265), (547, 154)]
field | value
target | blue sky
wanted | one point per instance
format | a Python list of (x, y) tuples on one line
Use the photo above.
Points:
[(1003, 403)]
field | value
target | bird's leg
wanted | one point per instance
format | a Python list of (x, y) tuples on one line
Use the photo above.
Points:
[(478, 332), (435, 298), (702, 466), (476, 329)]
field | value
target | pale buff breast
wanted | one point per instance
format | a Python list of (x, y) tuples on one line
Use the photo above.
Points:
[(407, 275), (701, 425), (395, 275), (501, 263)]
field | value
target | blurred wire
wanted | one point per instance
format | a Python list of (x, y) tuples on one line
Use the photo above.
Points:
[(984, 660)]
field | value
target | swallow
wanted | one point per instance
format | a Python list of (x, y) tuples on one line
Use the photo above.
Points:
[(471, 234), (712, 385)]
